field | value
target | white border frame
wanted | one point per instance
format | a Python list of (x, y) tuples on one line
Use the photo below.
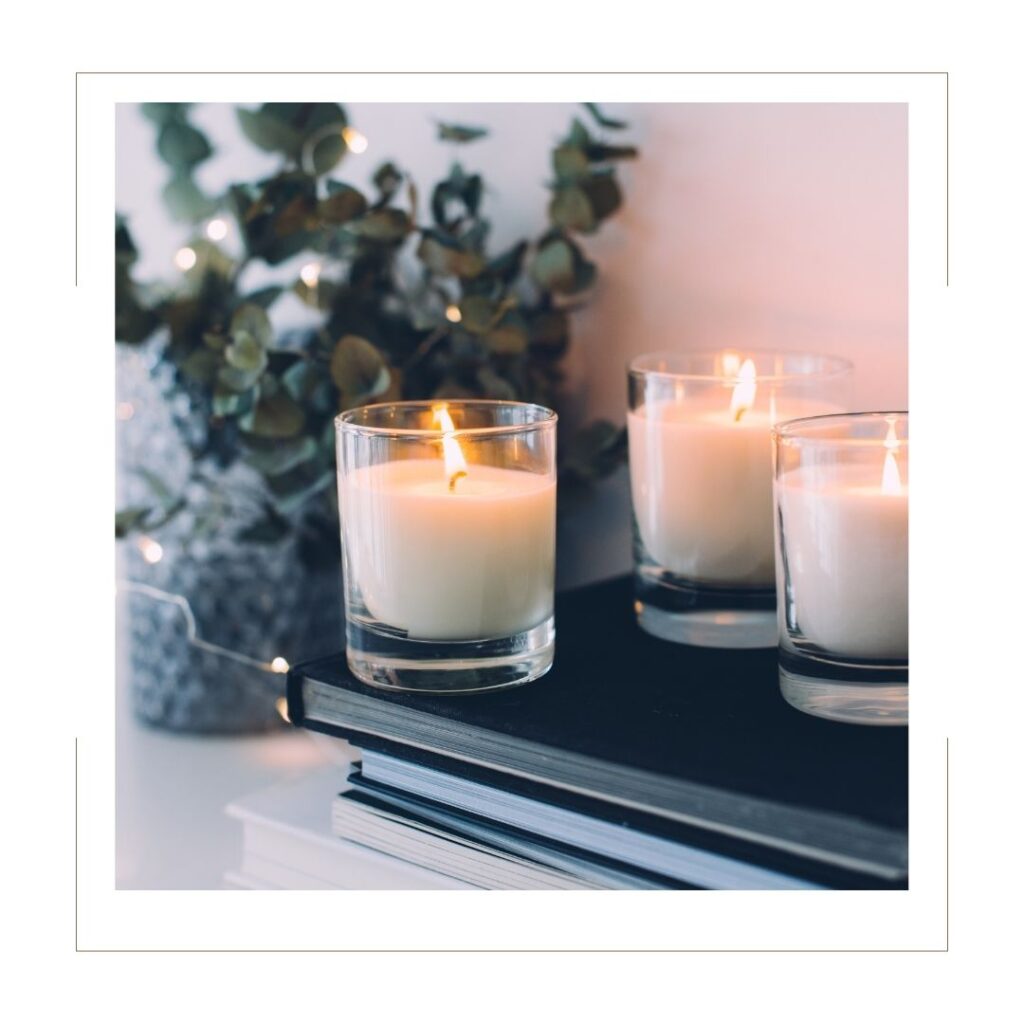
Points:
[(109, 919)]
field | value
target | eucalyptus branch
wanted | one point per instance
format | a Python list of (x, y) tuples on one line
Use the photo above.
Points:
[(272, 405)]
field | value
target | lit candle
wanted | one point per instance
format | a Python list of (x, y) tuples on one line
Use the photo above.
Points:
[(447, 548), (844, 534), (701, 471)]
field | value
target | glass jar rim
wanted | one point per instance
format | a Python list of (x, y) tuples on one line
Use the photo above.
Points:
[(543, 418), (830, 366), (800, 431)]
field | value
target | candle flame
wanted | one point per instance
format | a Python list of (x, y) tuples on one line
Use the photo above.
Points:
[(891, 482), (454, 460), (744, 391)]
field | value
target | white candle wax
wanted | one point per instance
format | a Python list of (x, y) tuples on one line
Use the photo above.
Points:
[(466, 563), (702, 486), (846, 560)]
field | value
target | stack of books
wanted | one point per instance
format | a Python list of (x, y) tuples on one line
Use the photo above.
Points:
[(287, 843), (635, 763)]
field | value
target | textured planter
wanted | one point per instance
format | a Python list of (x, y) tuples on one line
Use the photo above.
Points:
[(249, 600), (257, 601)]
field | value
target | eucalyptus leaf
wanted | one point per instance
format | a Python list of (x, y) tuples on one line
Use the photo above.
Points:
[(246, 353), (326, 152), (604, 196), (460, 188), (131, 518), (278, 219), (382, 225), (602, 119), (282, 456), (578, 134), (268, 132), (309, 384), (570, 208), (276, 415), (251, 320), (570, 162), (387, 179), (599, 153), (459, 133), (560, 267), (553, 267), (125, 252), (157, 485), (358, 370), (201, 365), (233, 378), (233, 403), (184, 200), (586, 275), (161, 113), (264, 297), (444, 256), (478, 313), (181, 145), (509, 337), (342, 204)]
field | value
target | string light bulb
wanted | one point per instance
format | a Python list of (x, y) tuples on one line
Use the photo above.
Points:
[(310, 274), (152, 551), (217, 229), (279, 665), (453, 314), (282, 708), (356, 141), (185, 258)]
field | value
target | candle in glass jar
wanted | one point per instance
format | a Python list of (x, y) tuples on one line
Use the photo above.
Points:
[(846, 555), (701, 472), (450, 549)]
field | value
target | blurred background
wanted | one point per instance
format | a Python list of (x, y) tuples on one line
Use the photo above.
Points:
[(750, 226)]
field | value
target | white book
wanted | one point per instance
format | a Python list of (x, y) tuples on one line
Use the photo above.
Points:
[(287, 843)]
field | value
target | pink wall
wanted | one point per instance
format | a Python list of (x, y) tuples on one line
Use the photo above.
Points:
[(766, 226)]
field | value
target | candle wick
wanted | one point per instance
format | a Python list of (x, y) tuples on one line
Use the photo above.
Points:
[(454, 477), (739, 412)]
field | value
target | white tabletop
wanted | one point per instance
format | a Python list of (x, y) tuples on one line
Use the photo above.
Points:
[(172, 788)]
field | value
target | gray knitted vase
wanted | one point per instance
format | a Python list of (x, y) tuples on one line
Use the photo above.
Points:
[(257, 602)]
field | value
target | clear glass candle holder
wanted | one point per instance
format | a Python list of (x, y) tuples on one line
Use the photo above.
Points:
[(448, 540), (842, 486), (700, 456)]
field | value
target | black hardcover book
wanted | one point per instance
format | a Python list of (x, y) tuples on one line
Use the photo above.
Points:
[(444, 790), (486, 835), (695, 736)]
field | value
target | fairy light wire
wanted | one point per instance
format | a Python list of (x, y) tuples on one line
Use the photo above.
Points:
[(277, 666)]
